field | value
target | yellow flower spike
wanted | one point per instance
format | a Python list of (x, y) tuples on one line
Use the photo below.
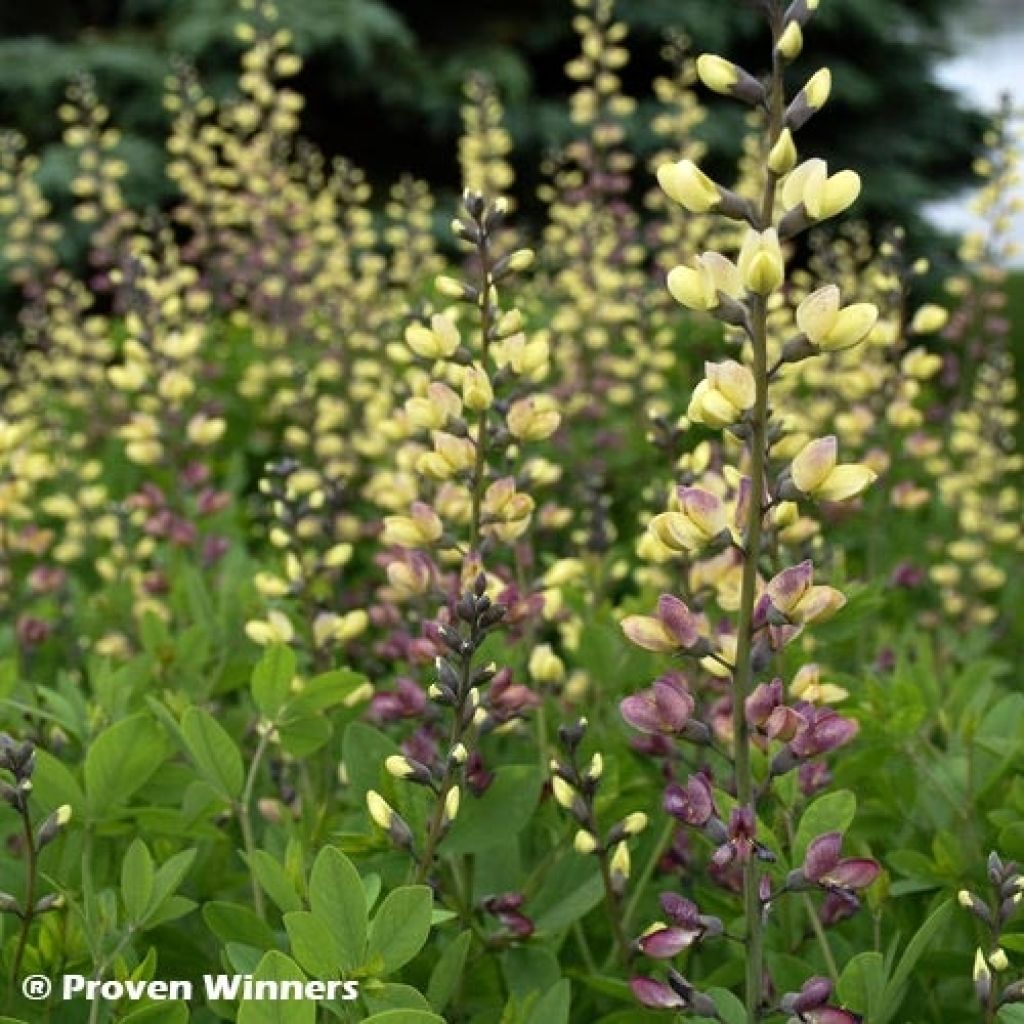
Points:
[(760, 262), (828, 326), (686, 184), (815, 472), (783, 156), (929, 319)]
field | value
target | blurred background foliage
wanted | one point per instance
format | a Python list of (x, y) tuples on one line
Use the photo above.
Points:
[(383, 80)]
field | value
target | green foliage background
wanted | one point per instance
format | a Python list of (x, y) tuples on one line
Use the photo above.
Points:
[(383, 79)]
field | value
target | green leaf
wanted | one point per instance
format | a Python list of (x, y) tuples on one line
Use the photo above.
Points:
[(273, 880), (553, 1007), (893, 995), (565, 896), (166, 881), (447, 972), (272, 678), (158, 1013), (233, 922), (401, 1017), (499, 815), (394, 996), (832, 812), (337, 897), (730, 1009), (215, 753), (312, 944), (862, 983), (364, 751), (137, 880), (400, 927), (276, 966), (120, 761)]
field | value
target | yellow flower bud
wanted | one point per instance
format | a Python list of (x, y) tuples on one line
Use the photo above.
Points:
[(818, 89), (380, 810), (563, 793), (451, 804), (584, 843), (791, 42), (477, 393), (760, 261), (783, 156), (717, 73)]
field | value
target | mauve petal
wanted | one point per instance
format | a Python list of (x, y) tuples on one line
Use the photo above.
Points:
[(786, 589), (831, 1015), (763, 701), (665, 943), (814, 992), (674, 707), (656, 994), (692, 804), (784, 724), (678, 620), (639, 711), (680, 910), (832, 731), (822, 855), (853, 873)]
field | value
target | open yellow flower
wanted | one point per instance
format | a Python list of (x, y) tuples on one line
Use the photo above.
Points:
[(727, 391), (831, 327), (822, 196)]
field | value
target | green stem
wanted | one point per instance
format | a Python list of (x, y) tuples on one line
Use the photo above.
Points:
[(480, 464), (27, 910), (243, 812), (743, 675)]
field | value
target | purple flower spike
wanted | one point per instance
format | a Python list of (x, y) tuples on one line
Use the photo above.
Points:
[(692, 804), (656, 994)]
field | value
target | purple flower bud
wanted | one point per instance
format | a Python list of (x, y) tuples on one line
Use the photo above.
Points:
[(667, 942), (656, 994)]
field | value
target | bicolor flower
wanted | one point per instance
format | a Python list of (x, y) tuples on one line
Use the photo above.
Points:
[(809, 1005), (674, 628), (823, 866), (665, 707), (816, 473), (700, 518), (420, 529), (793, 596)]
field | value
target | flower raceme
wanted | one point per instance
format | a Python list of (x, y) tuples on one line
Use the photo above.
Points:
[(816, 472)]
